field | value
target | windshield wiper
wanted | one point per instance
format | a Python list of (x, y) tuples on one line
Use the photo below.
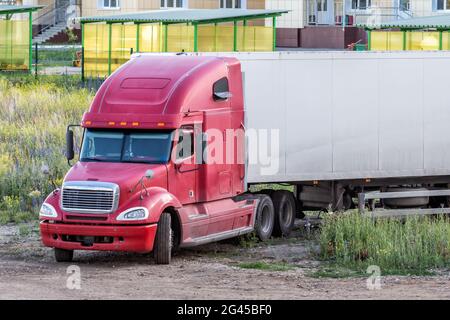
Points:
[(93, 159), (134, 161)]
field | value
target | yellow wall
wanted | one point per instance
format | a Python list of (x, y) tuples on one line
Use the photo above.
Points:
[(151, 39), (415, 40), (14, 44)]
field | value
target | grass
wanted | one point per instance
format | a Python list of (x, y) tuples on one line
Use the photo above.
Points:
[(410, 246), (33, 119), (55, 57), (17, 217), (332, 271), (260, 265)]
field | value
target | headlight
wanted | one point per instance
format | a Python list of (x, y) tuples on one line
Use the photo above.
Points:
[(48, 211), (132, 214)]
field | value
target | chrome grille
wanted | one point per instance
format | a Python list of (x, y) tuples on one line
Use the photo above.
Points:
[(89, 197)]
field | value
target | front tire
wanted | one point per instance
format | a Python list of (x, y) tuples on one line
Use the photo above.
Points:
[(264, 218), (162, 248), (62, 255)]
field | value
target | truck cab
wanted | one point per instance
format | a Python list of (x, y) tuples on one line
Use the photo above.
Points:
[(153, 173)]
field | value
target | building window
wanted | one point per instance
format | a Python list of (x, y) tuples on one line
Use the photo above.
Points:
[(443, 5), (322, 5), (171, 3), (361, 4), (110, 4), (231, 4), (404, 5)]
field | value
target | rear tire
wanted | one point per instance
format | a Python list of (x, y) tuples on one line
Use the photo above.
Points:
[(62, 255), (162, 248), (416, 202), (264, 220), (284, 205)]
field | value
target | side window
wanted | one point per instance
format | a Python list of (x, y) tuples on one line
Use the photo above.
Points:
[(221, 90), (185, 145)]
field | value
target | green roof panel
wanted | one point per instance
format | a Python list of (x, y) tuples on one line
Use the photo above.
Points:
[(437, 21), (186, 16), (9, 9)]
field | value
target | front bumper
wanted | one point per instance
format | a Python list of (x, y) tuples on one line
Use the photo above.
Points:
[(102, 238)]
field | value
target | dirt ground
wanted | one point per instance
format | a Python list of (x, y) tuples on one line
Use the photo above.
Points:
[(28, 271)]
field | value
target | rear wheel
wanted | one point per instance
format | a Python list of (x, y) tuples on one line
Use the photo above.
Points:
[(264, 218), (415, 202), (284, 205), (162, 248), (62, 255)]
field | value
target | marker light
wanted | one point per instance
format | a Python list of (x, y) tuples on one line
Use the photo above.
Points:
[(123, 123), (135, 124), (111, 123), (161, 124), (133, 214), (88, 123), (48, 211)]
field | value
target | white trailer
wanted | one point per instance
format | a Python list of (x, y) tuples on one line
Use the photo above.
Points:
[(352, 122)]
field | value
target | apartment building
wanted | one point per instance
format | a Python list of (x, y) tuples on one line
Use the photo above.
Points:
[(309, 24), (108, 7), (332, 23)]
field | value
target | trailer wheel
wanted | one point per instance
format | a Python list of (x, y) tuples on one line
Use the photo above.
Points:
[(264, 218), (162, 248), (62, 255), (415, 202), (284, 205)]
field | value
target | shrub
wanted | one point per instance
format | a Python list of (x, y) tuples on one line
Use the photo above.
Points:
[(33, 119), (416, 243)]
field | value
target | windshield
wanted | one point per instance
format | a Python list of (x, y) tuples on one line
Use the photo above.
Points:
[(126, 146)]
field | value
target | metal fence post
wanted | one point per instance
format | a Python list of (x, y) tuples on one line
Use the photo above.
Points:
[(82, 63), (36, 60)]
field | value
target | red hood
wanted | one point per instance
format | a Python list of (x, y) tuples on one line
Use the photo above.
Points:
[(126, 175)]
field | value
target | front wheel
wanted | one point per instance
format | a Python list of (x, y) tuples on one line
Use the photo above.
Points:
[(62, 255), (162, 248)]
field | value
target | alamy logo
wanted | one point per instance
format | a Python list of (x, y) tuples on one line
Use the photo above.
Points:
[(73, 281), (255, 147), (374, 281)]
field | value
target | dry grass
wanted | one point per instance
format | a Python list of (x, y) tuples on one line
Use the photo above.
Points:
[(33, 119)]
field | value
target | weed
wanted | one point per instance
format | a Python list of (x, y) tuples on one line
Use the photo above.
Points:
[(260, 265), (409, 246)]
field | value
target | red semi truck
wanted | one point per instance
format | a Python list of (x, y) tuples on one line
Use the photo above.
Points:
[(166, 158), (139, 185)]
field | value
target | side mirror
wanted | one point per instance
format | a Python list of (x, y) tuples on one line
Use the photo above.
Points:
[(70, 153)]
